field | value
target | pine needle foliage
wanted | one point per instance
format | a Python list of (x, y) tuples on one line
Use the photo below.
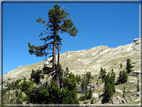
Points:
[(129, 66)]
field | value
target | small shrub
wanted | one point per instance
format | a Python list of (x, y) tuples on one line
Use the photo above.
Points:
[(85, 102), (124, 89), (92, 101), (103, 80), (120, 65), (42, 76), (82, 98), (16, 93), (138, 86)]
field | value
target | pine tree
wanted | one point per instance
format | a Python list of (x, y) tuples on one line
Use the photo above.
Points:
[(112, 80), (58, 21), (102, 73), (120, 65), (109, 87), (90, 94), (129, 66), (108, 91), (123, 77)]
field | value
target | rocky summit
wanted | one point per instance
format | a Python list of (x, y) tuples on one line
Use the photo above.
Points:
[(82, 61)]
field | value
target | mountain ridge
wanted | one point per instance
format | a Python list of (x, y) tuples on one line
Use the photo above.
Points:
[(92, 59)]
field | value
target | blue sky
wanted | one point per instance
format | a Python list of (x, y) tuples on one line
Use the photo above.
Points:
[(111, 24)]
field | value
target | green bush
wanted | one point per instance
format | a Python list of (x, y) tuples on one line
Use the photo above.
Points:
[(51, 94), (26, 86), (36, 76), (85, 102), (92, 101), (124, 89), (13, 85), (120, 65), (84, 97), (16, 93), (103, 80), (70, 86)]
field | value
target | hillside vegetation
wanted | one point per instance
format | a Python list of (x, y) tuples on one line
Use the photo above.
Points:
[(87, 89)]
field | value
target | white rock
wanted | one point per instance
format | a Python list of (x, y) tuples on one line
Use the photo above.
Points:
[(119, 91), (95, 95)]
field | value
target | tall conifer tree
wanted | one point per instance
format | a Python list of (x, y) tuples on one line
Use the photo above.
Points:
[(58, 21)]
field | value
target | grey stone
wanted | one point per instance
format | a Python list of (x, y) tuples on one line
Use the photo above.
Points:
[(116, 100)]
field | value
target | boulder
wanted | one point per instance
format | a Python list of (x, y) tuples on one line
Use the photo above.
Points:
[(119, 91), (138, 99), (116, 100), (119, 99), (95, 95)]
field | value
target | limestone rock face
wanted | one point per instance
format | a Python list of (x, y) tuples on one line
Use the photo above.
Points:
[(82, 61)]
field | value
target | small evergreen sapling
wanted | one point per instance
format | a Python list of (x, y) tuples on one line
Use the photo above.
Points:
[(129, 66), (123, 77), (90, 94), (138, 86)]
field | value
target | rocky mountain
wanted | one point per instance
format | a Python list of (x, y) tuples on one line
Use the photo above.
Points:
[(79, 62), (92, 60)]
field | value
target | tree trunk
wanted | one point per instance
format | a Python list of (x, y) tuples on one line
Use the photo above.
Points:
[(54, 68), (58, 66), (54, 52), (58, 57)]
